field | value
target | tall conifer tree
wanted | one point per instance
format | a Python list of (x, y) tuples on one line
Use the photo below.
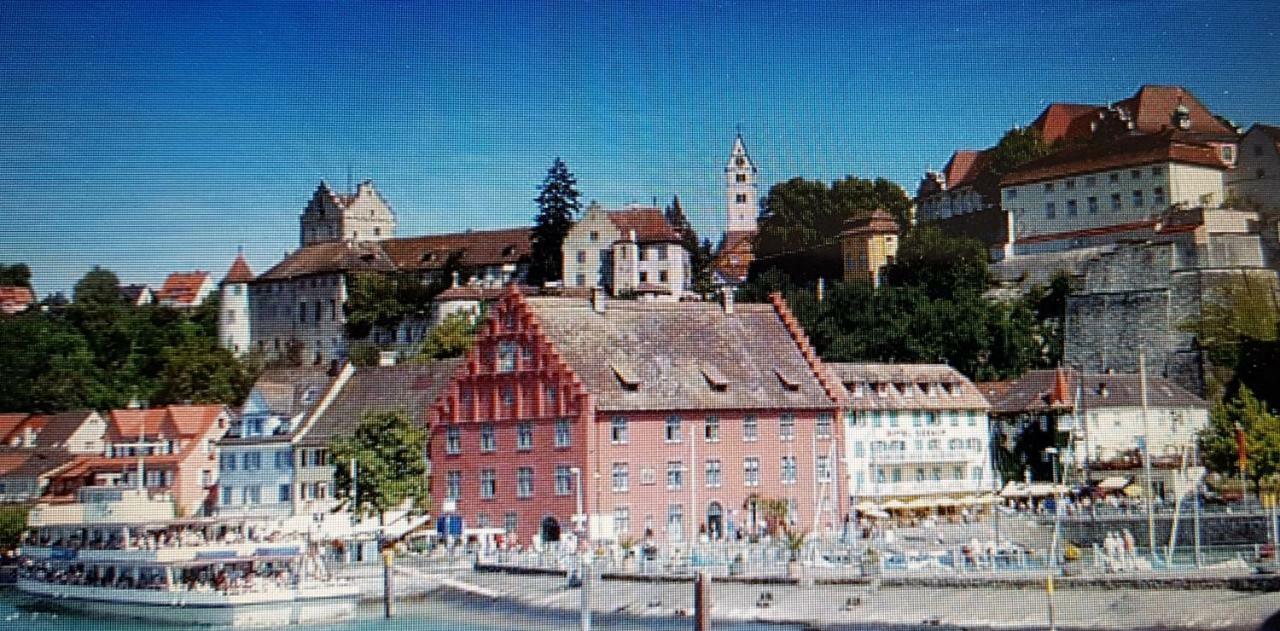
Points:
[(557, 207)]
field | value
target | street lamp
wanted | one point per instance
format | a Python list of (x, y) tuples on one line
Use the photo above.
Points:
[(584, 564)]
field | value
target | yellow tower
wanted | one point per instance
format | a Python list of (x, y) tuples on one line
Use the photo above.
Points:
[(867, 245)]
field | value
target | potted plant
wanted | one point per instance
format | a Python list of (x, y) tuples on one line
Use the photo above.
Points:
[(628, 545), (794, 541)]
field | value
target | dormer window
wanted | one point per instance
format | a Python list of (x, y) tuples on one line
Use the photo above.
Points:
[(788, 382), (717, 381), (429, 257), (859, 389), (626, 377)]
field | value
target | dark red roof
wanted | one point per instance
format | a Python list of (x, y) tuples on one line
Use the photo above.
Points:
[(478, 248), (1066, 121), (1124, 152), (14, 299), (878, 222), (1151, 109), (331, 257), (182, 288), (239, 272), (649, 225), (736, 254), (962, 167)]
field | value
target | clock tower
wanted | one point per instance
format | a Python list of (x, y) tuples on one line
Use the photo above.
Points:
[(743, 200)]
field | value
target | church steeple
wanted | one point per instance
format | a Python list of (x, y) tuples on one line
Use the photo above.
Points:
[(740, 175)]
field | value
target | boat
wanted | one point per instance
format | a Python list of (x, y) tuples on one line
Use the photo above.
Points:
[(123, 552)]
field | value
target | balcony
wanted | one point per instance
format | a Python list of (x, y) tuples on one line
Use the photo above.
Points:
[(914, 488), (925, 457)]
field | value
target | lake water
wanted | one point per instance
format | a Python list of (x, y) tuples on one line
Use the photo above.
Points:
[(423, 615)]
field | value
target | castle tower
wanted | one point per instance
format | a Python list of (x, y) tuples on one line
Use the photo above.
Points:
[(359, 216), (740, 174), (868, 245), (233, 317)]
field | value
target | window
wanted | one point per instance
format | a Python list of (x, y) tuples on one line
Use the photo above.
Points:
[(302, 312), (286, 493), (1137, 199), (284, 459), (823, 427), (333, 310), (582, 257), (893, 418), (713, 472), (564, 480), (228, 462), (1135, 174), (880, 477), (647, 477), (225, 495), (750, 428), (488, 483), (662, 276), (488, 439), (973, 418), (751, 471), (595, 235), (740, 198), (506, 359), (675, 522), (1093, 205), (935, 444), (552, 394), (917, 418), (1113, 177), (524, 482), (919, 474), (958, 472), (662, 254), (621, 477), (581, 280), (482, 520), (786, 426), (672, 431), (622, 520), (252, 461), (644, 277), (937, 474), (1091, 181), (1050, 211), (1262, 173), (875, 419), (1157, 170), (675, 475), (1011, 193), (1157, 196), (564, 437), (618, 430), (1115, 202), (789, 470), (453, 440), (1071, 184), (509, 522), (897, 474), (1071, 208), (740, 177), (857, 449), (822, 468), (711, 430), (955, 419), (524, 436), (252, 494), (1048, 187)]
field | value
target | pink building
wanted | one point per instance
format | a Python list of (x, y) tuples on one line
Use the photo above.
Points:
[(677, 417)]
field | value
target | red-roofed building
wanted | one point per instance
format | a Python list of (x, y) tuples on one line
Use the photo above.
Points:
[(14, 299), (1067, 122), (233, 317), (36, 447), (626, 251), (185, 290), (178, 448)]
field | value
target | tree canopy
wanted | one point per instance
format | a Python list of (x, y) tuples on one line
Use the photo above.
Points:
[(451, 338), (98, 287), (700, 256), (16, 275), (391, 467), (558, 207), (1262, 437)]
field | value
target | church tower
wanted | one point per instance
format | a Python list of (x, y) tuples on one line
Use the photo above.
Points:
[(743, 200), (233, 317), (359, 216)]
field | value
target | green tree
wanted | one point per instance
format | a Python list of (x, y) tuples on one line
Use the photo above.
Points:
[(558, 206), (1262, 438), (451, 338), (46, 365), (1017, 147), (942, 265), (98, 286), (13, 522), (18, 275), (700, 255), (379, 300), (199, 370), (390, 455)]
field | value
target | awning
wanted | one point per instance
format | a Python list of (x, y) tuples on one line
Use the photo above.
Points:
[(947, 502), (894, 505), (867, 507), (1114, 483), (922, 502)]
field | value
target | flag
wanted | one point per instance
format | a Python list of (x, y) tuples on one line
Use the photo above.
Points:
[(1242, 452)]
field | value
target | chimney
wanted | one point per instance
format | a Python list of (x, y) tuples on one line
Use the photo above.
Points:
[(597, 300), (726, 299), (387, 358)]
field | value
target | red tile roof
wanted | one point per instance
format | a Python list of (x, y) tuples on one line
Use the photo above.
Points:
[(1066, 121), (14, 299), (182, 288), (962, 167), (878, 222), (1124, 152), (239, 272), (736, 254), (10, 422), (330, 257), (131, 423), (649, 225), (478, 248), (195, 420), (1151, 109), (184, 420)]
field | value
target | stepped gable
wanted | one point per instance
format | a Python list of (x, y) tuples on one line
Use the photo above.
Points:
[(904, 386), (409, 388), (672, 356), (478, 248), (1127, 151), (328, 258), (649, 225)]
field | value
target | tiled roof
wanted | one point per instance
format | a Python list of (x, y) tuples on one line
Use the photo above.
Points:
[(60, 427), (480, 292), (1066, 121), (29, 463), (411, 388), (878, 222), (330, 257), (907, 387), (649, 225), (669, 356), (1152, 106), (962, 167), (478, 248), (736, 254), (239, 272), (130, 423), (10, 422), (182, 288), (1124, 152), (133, 293), (194, 420), (291, 391), (1271, 132), (14, 299), (1035, 390)]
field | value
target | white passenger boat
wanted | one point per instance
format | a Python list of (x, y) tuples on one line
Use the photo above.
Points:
[(119, 551)]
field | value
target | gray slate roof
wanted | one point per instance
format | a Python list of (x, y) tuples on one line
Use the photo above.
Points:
[(907, 387), (672, 356), (285, 390), (411, 388), (1032, 392)]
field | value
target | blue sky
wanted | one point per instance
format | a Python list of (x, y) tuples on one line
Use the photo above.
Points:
[(155, 136)]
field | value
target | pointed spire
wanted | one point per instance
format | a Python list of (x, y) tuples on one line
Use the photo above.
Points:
[(239, 272)]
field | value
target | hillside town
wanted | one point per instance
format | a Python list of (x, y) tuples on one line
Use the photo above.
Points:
[(607, 380)]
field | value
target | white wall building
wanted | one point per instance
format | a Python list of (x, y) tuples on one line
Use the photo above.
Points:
[(914, 432), (233, 319), (630, 250), (1256, 180)]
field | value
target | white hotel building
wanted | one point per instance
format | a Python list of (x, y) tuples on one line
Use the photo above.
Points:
[(914, 433)]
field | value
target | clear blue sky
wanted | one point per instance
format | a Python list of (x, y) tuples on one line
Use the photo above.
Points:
[(155, 136)]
